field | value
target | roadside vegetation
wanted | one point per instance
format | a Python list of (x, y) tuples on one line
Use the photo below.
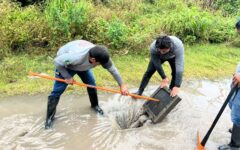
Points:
[(31, 35)]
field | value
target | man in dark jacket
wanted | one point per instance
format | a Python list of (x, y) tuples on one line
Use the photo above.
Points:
[(165, 48)]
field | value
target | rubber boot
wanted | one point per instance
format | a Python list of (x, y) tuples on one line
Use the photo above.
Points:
[(98, 110), (92, 93), (51, 110), (140, 91), (230, 130), (235, 140)]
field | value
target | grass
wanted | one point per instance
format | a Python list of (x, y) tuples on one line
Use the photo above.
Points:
[(201, 61), (210, 61)]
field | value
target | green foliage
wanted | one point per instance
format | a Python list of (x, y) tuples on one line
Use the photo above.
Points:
[(192, 24), (67, 18), (117, 33), (121, 25), (228, 6), (20, 27), (221, 30), (189, 24), (96, 30), (236, 41)]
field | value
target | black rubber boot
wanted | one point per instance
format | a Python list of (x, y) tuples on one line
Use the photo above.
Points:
[(140, 91), (51, 110), (92, 93), (227, 147), (235, 140), (98, 110), (230, 130)]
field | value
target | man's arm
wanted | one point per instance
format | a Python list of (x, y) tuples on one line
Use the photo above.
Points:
[(155, 59), (114, 72), (116, 75), (179, 64)]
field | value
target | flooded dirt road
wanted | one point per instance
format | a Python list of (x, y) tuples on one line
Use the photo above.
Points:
[(77, 127)]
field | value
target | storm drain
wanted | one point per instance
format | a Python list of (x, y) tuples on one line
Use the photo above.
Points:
[(151, 112)]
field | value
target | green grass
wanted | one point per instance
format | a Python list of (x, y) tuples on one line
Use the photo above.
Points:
[(210, 61), (201, 61)]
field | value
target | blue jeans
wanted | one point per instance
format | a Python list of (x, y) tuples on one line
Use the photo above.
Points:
[(234, 105), (86, 77)]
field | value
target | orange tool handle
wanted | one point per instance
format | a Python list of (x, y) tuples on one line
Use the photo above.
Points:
[(91, 86), (199, 145)]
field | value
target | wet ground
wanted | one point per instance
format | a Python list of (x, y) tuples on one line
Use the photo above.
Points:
[(77, 127)]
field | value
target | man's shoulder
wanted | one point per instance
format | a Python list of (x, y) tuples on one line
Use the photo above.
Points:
[(76, 46), (174, 38), (153, 47), (82, 43), (177, 43)]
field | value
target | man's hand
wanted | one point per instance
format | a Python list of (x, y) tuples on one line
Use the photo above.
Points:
[(164, 83), (70, 81), (236, 79), (174, 91), (123, 89)]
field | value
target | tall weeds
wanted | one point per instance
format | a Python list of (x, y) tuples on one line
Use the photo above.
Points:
[(128, 25)]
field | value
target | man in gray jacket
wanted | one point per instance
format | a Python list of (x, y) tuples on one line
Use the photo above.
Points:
[(165, 48), (79, 57)]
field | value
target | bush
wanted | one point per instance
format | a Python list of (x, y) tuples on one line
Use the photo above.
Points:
[(117, 33), (67, 18), (222, 30), (229, 7), (21, 28), (96, 31), (236, 42), (192, 25), (119, 24)]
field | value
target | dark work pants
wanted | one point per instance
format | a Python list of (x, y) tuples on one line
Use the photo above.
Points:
[(151, 70)]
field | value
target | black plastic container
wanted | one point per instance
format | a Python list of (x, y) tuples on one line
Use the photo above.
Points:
[(159, 110)]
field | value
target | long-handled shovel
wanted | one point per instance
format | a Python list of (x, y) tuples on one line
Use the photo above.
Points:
[(204, 141), (96, 87)]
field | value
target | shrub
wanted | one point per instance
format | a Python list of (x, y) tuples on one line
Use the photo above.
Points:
[(67, 18), (20, 27), (96, 31), (192, 25), (228, 6), (117, 33)]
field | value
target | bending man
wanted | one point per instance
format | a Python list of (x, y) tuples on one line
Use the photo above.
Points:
[(79, 57), (165, 48)]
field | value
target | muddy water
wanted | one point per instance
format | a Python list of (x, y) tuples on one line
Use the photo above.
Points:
[(77, 127)]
